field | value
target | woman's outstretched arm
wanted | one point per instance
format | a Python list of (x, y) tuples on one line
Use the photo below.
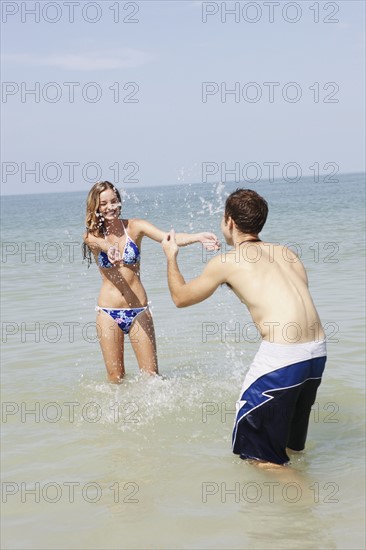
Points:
[(209, 240)]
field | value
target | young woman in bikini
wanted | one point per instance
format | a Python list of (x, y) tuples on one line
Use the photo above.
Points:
[(122, 303)]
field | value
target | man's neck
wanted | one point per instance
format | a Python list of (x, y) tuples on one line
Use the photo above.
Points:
[(241, 238)]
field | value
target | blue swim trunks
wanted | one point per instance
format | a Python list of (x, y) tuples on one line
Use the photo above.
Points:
[(279, 390)]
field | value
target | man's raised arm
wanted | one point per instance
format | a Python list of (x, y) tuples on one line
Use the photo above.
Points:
[(186, 294)]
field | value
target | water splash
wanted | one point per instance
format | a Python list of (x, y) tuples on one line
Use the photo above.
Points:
[(188, 173), (216, 204), (143, 400)]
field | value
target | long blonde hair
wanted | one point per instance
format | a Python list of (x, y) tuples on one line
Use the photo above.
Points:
[(93, 221)]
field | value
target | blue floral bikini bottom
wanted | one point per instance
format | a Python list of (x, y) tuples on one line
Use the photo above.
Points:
[(124, 317)]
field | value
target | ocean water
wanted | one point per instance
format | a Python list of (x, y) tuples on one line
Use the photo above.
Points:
[(148, 464)]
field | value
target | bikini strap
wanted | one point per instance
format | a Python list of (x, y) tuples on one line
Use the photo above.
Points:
[(124, 228)]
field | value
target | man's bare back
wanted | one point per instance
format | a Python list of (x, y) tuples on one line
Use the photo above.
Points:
[(272, 282), (269, 279)]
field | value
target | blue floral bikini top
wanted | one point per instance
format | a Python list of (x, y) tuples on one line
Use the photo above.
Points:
[(131, 254)]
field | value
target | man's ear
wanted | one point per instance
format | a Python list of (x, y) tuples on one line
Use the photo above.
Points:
[(230, 223)]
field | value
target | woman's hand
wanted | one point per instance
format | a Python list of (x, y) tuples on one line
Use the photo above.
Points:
[(209, 240), (114, 255)]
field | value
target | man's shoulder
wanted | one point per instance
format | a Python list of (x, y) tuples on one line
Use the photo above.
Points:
[(219, 266)]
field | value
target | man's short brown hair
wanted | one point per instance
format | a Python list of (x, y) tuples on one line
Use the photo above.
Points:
[(247, 209)]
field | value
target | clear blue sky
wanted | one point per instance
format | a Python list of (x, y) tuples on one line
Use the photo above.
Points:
[(168, 133)]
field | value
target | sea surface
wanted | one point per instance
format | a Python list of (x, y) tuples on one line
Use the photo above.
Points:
[(148, 464)]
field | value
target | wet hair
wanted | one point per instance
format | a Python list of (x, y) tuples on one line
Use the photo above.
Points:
[(93, 220), (247, 209)]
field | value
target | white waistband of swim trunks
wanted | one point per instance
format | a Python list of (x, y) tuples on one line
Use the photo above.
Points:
[(316, 346)]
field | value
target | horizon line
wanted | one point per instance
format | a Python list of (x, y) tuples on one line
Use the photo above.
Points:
[(173, 184)]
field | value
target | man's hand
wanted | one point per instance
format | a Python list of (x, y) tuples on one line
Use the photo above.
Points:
[(169, 244), (209, 240)]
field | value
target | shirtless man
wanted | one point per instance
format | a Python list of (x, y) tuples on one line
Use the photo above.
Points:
[(280, 387)]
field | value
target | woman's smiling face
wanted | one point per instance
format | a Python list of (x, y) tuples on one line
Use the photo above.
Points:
[(109, 205)]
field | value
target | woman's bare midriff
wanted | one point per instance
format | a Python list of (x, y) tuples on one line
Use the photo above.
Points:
[(121, 288)]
